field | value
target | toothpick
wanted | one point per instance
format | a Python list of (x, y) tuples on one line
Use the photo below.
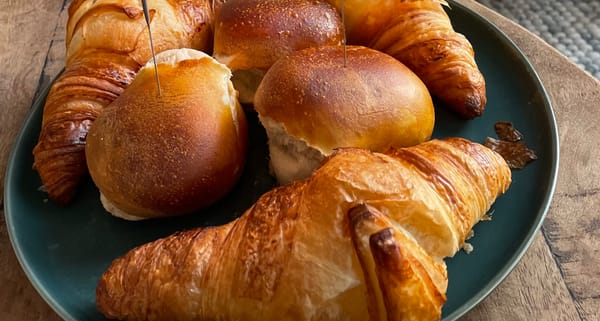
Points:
[(344, 32), (147, 17)]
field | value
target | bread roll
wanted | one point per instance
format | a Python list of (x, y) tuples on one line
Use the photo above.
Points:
[(154, 156), (106, 43), (250, 35), (419, 33), (311, 103)]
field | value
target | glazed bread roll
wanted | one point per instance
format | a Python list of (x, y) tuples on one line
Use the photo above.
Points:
[(311, 103), (154, 156), (419, 34), (106, 44), (250, 35)]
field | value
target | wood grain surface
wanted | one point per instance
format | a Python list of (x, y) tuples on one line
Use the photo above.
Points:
[(28, 30), (557, 279)]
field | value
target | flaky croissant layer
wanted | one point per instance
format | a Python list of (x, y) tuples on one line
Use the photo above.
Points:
[(362, 239)]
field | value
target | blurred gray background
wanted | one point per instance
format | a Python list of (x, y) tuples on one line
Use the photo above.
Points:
[(572, 27)]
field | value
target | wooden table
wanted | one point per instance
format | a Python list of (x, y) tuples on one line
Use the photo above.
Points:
[(558, 278)]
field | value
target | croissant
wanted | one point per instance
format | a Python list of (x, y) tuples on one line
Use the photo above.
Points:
[(107, 42), (419, 34), (363, 238)]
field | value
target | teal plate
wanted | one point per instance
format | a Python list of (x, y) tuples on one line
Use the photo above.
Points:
[(64, 250)]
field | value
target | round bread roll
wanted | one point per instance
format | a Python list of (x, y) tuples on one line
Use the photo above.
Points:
[(152, 156), (364, 20), (250, 35), (310, 103)]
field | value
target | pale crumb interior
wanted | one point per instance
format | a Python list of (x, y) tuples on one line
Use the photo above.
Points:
[(291, 159), (115, 211)]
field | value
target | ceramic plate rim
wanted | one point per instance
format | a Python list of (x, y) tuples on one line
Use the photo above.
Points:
[(502, 273)]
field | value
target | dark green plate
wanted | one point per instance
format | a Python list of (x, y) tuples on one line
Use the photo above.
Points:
[(64, 250)]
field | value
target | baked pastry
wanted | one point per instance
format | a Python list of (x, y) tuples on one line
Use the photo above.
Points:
[(154, 155), (107, 42), (320, 98), (250, 35), (419, 33), (363, 238)]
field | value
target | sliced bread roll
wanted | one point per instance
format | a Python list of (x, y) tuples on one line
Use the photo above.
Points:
[(321, 98), (154, 155)]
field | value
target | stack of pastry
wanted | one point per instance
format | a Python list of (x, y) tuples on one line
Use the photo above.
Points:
[(107, 43), (369, 208)]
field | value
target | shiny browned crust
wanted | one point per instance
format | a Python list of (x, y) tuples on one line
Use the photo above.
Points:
[(372, 102), (107, 43)]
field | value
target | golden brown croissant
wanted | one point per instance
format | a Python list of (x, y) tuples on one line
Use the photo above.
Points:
[(362, 239), (419, 33), (107, 42)]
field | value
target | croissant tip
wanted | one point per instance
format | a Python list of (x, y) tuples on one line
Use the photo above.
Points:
[(473, 106), (62, 200), (62, 196)]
